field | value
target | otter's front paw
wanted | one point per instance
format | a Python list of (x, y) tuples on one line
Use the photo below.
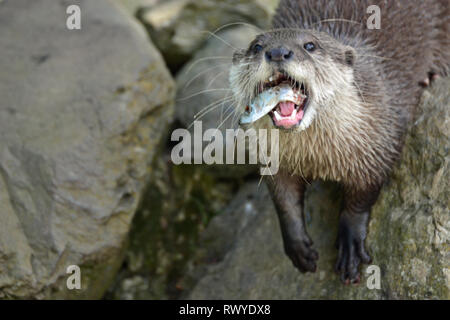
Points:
[(302, 255), (352, 251)]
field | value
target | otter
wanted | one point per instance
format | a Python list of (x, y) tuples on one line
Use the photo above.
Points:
[(360, 87)]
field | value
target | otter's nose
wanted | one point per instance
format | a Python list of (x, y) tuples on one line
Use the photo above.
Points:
[(279, 54)]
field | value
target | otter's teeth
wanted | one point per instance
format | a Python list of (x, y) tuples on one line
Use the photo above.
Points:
[(294, 114), (277, 115)]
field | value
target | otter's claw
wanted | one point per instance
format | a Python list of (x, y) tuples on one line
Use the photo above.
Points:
[(302, 255), (351, 252)]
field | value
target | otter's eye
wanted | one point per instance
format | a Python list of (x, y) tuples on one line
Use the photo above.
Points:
[(309, 46), (257, 48)]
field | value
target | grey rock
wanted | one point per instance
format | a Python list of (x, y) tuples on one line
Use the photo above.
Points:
[(132, 6), (81, 118), (207, 73), (180, 27), (408, 235), (203, 92)]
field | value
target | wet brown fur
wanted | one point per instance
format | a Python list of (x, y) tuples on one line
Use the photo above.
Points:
[(358, 141), (362, 87)]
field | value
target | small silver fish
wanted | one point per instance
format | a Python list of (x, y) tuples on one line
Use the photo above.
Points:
[(267, 100)]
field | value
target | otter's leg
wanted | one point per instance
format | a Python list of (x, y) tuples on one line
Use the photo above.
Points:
[(287, 193), (352, 232)]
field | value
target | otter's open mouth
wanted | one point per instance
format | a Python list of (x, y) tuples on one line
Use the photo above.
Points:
[(287, 113), (281, 98)]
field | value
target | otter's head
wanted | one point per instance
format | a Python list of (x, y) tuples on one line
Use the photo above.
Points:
[(313, 63)]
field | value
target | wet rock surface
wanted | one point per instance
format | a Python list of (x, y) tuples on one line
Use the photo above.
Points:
[(178, 205)]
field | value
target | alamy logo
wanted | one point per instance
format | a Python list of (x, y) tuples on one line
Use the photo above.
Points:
[(235, 147), (73, 21), (373, 280), (374, 21), (74, 280)]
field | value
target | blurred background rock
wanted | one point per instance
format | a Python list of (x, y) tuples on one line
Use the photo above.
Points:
[(86, 176), (180, 27)]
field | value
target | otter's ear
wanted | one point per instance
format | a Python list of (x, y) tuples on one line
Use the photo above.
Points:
[(238, 55), (349, 56)]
